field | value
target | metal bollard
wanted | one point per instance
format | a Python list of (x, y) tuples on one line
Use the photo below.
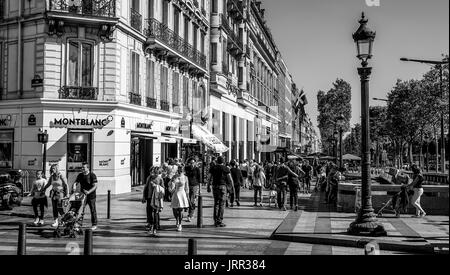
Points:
[(192, 247), (108, 214), (200, 212), (22, 244), (88, 242)]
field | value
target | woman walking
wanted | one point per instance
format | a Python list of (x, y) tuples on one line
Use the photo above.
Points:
[(258, 182), (179, 187), (154, 197), (238, 180), (39, 199), (59, 191), (417, 186)]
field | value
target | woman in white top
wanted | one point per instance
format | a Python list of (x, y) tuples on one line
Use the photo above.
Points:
[(179, 187), (259, 179)]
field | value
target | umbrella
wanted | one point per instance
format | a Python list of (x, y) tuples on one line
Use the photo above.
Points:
[(351, 157), (294, 156)]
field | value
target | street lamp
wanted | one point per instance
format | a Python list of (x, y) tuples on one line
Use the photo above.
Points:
[(366, 222), (441, 76), (340, 123), (336, 140), (43, 139)]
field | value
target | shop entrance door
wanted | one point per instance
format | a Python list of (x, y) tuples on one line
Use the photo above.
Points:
[(141, 160), (79, 150)]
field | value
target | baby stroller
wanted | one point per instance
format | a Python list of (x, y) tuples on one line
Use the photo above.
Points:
[(399, 202), (70, 223)]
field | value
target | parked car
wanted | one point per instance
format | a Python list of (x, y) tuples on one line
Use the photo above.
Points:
[(11, 189)]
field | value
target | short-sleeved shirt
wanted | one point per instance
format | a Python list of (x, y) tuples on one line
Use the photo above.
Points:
[(419, 183), (219, 174), (87, 183)]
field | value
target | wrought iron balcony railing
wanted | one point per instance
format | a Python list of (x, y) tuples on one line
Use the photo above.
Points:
[(151, 103), (157, 30), (81, 93), (224, 23), (135, 99), (136, 20), (196, 3), (102, 8), (165, 106)]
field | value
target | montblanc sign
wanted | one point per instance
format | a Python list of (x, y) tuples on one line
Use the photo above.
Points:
[(95, 123)]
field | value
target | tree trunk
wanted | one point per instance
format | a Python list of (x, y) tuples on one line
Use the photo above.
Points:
[(411, 155), (437, 149)]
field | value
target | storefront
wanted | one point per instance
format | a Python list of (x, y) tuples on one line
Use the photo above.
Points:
[(6, 148)]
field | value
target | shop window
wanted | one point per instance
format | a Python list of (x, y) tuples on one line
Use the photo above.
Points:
[(80, 64), (79, 150), (6, 148)]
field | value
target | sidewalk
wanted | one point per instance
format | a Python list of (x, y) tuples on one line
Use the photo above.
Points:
[(319, 223)]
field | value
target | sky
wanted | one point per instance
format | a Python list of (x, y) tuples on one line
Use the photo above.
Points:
[(315, 40)]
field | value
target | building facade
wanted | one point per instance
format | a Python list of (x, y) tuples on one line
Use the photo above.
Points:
[(110, 81)]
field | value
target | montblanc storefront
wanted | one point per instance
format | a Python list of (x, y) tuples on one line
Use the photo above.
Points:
[(121, 143)]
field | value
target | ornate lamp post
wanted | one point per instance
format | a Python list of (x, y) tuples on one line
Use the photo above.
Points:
[(43, 139), (340, 123), (366, 222), (336, 140)]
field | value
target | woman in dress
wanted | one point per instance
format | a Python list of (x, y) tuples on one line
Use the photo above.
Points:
[(179, 187), (59, 191)]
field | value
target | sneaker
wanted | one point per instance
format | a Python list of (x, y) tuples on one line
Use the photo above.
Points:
[(189, 219), (222, 225), (147, 227), (56, 223), (41, 222), (284, 208), (261, 205), (238, 203), (296, 209), (179, 229), (232, 205), (36, 222), (94, 227), (423, 215)]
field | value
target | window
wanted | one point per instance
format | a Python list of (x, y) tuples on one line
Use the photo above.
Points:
[(186, 28), (165, 13), (135, 73), (176, 20), (151, 79), (176, 89), (214, 53), (202, 43), (80, 64), (241, 75), (195, 37), (215, 8), (6, 148), (151, 9), (164, 82)]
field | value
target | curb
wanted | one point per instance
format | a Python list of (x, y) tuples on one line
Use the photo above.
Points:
[(356, 243)]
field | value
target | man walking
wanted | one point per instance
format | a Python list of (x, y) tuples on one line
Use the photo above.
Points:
[(282, 176), (220, 177), (88, 186), (194, 178), (308, 176), (294, 184)]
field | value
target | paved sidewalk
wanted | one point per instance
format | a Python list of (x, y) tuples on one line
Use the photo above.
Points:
[(248, 232), (321, 224)]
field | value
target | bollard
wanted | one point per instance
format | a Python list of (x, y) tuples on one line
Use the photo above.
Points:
[(192, 247), (22, 245), (88, 242), (108, 215), (200, 212)]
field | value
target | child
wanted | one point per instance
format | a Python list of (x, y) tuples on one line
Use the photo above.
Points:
[(151, 196), (157, 205), (39, 198)]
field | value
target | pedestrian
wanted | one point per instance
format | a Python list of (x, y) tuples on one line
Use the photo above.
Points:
[(179, 187), (166, 173), (259, 179), (282, 176), (238, 180), (153, 196), (308, 170), (417, 185), (194, 178), (250, 173), (58, 192), (244, 170), (333, 182), (39, 199), (294, 183), (88, 186), (220, 178)]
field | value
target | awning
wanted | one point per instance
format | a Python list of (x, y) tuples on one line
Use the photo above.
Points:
[(210, 140), (169, 140), (186, 140), (144, 136)]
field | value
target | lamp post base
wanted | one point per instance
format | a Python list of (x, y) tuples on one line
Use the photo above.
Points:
[(367, 226)]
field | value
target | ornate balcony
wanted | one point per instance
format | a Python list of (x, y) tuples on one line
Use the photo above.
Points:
[(235, 45), (80, 93), (100, 8), (165, 106), (235, 8), (158, 32), (135, 99), (136, 20), (151, 103)]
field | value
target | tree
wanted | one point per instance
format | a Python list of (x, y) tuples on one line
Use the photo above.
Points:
[(352, 143), (331, 105)]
